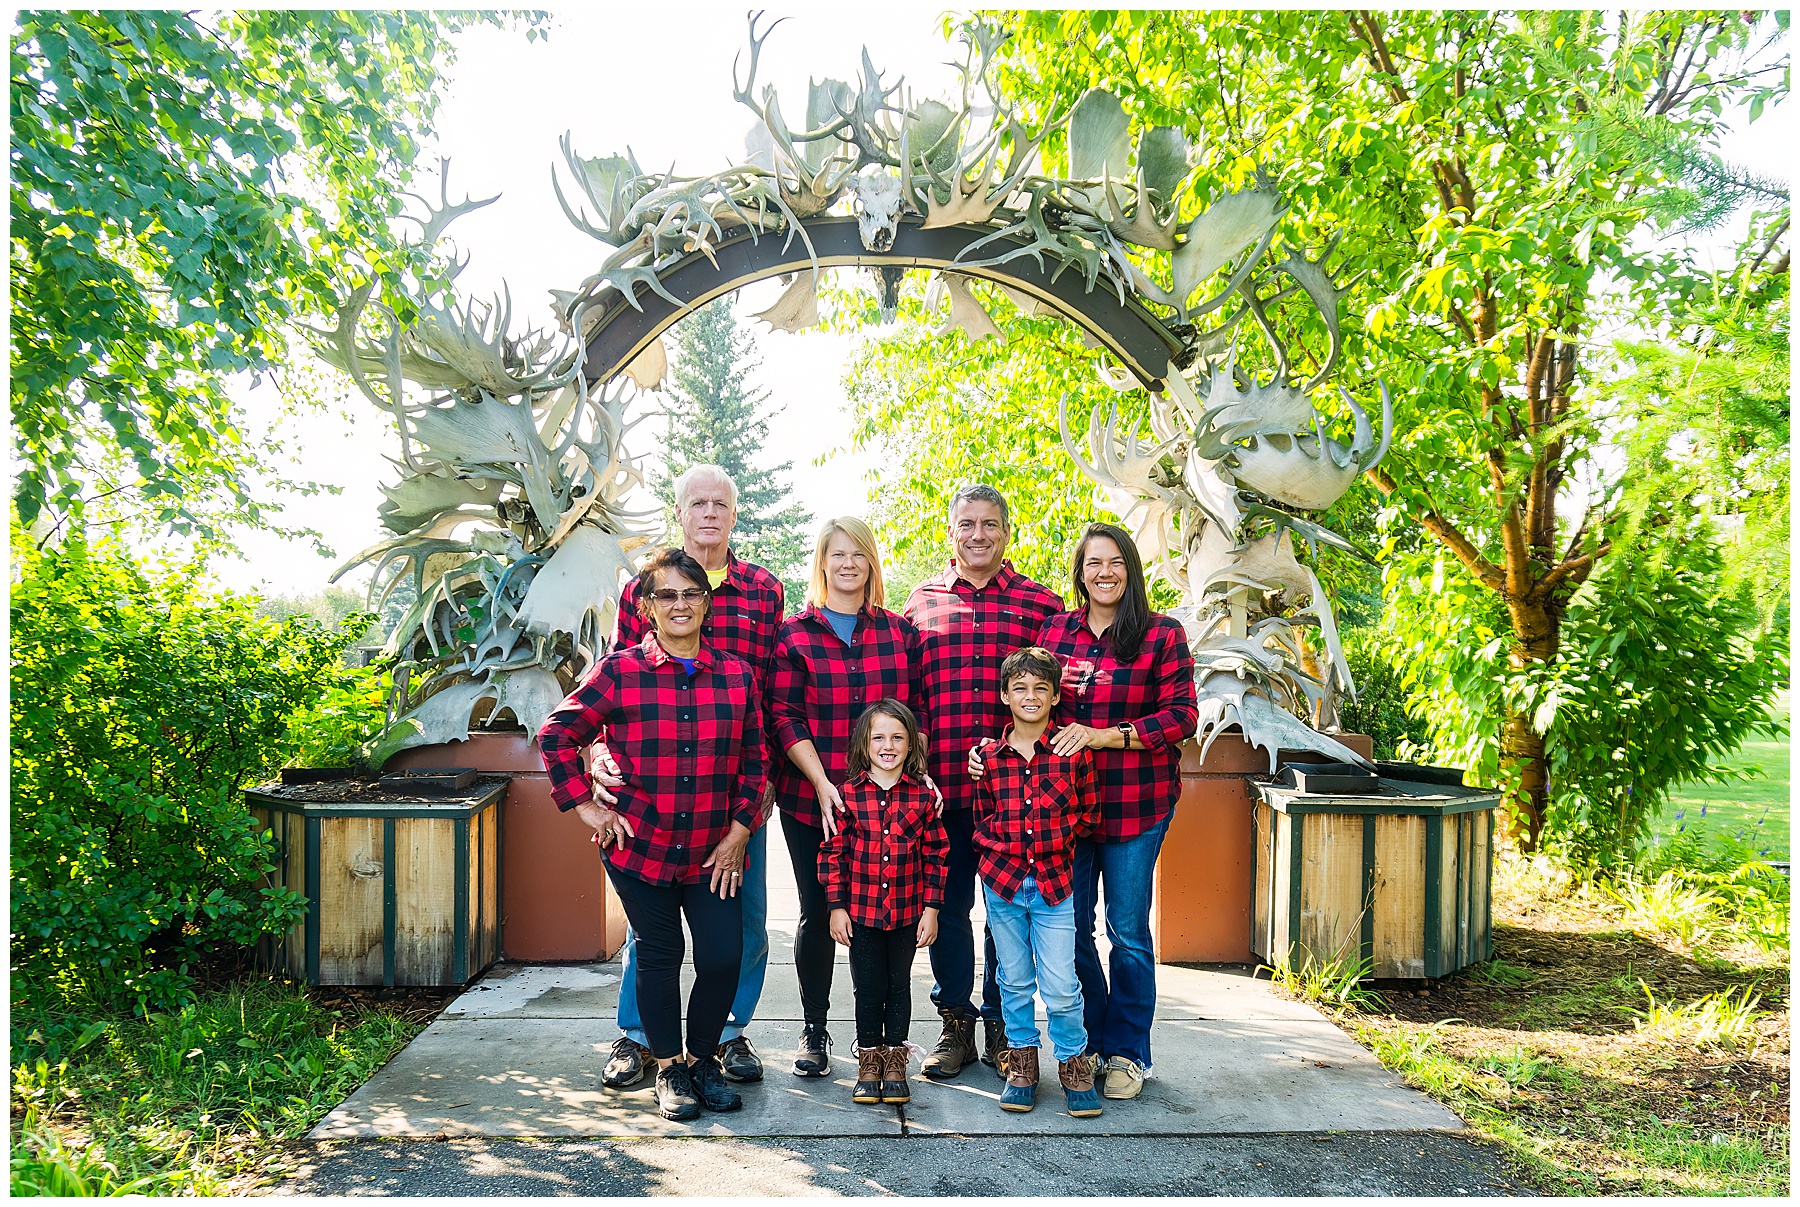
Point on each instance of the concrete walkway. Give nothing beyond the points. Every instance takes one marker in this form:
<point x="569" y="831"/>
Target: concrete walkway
<point x="519" y="1056"/>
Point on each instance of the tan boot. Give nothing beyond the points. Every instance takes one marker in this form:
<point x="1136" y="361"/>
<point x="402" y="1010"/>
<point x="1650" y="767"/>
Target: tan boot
<point x="1020" y="1065"/>
<point x="869" y="1062"/>
<point x="893" y="1074"/>
<point x="955" y="1048"/>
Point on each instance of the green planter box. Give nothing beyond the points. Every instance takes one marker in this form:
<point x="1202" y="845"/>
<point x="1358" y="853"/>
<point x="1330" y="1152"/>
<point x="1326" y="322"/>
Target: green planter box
<point x="401" y="889"/>
<point x="1401" y="878"/>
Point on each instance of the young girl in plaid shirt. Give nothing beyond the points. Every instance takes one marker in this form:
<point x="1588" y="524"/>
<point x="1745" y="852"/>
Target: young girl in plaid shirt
<point x="883" y="871"/>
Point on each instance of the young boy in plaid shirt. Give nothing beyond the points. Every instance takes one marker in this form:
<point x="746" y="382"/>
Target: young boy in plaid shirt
<point x="1031" y="805"/>
<point x="883" y="872"/>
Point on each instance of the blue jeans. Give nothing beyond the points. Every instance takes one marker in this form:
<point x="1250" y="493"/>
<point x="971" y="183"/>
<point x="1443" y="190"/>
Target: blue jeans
<point x="754" y="892"/>
<point x="953" y="955"/>
<point x="1119" y="1014"/>
<point x="1036" y="945"/>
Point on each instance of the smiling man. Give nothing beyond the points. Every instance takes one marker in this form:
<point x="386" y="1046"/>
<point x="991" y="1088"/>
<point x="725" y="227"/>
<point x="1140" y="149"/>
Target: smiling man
<point x="969" y="618"/>
<point x="742" y="621"/>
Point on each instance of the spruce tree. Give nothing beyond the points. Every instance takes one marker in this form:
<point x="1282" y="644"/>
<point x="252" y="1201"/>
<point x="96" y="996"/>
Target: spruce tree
<point x="713" y="415"/>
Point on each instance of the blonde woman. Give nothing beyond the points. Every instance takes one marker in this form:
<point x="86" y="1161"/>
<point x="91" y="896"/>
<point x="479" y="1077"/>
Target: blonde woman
<point x="841" y="654"/>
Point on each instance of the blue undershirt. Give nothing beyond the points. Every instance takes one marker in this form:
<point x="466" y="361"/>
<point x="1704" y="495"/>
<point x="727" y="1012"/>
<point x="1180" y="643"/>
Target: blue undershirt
<point x="687" y="662"/>
<point x="842" y="623"/>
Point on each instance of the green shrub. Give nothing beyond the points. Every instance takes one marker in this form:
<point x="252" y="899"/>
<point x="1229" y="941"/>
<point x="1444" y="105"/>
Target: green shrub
<point x="339" y="729"/>
<point x="143" y="701"/>
<point x="1379" y="709"/>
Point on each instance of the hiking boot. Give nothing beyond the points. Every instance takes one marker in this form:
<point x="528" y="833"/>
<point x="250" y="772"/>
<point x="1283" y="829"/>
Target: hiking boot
<point x="894" y="1060"/>
<point x="955" y="1048"/>
<point x="993" y="1041"/>
<point x="813" y="1057"/>
<point x="1020" y="1067"/>
<point x="1077" y="1077"/>
<point x="739" y="1061"/>
<point x="1124" y="1077"/>
<point x="676" y="1097"/>
<point x="629" y="1062"/>
<point x="714" y="1092"/>
<point x="869" y="1062"/>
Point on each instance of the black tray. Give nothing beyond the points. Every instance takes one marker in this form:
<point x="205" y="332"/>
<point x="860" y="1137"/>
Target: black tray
<point x="1328" y="779"/>
<point x="429" y="779"/>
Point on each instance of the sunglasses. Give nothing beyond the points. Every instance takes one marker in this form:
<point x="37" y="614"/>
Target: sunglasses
<point x="691" y="595"/>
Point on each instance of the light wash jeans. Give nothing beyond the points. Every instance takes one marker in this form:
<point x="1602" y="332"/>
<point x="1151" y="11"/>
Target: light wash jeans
<point x="1119" y="1013"/>
<point x="755" y="892"/>
<point x="1036" y="945"/>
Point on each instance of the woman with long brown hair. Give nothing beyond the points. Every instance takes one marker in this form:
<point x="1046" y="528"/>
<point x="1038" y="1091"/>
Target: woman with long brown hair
<point x="1127" y="695"/>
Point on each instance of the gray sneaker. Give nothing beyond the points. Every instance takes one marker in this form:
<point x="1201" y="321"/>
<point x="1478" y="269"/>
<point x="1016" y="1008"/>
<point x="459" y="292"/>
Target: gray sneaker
<point x="628" y="1065"/>
<point x="739" y="1061"/>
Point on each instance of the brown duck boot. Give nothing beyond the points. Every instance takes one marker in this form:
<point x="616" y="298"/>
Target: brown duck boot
<point x="1021" y="1068"/>
<point x="893" y="1074"/>
<point x="955" y="1048"/>
<point x="869" y="1064"/>
<point x="1077" y="1077"/>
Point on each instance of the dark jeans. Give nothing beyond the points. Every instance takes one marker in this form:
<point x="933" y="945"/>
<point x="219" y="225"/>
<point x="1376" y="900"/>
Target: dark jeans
<point x="814" y="951"/>
<point x="717" y="925"/>
<point x="953" y="955"/>
<point x="1119" y="1007"/>
<point x="881" y="969"/>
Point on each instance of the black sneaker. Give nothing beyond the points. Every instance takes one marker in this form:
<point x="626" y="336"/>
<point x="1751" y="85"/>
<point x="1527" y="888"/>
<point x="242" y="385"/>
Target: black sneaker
<point x="714" y="1091"/>
<point x="629" y="1063"/>
<point x="813" y="1057"/>
<point x="676" y="1097"/>
<point x="739" y="1061"/>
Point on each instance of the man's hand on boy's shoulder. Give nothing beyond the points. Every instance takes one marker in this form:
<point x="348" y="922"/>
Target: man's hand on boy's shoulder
<point x="978" y="757"/>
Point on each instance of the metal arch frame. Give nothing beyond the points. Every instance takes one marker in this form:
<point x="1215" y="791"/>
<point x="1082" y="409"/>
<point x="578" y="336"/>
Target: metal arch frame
<point x="621" y="331"/>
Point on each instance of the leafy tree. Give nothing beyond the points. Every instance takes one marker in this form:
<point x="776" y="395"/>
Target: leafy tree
<point x="1705" y="395"/>
<point x="184" y="188"/>
<point x="714" y="417"/>
<point x="1481" y="178"/>
<point x="142" y="703"/>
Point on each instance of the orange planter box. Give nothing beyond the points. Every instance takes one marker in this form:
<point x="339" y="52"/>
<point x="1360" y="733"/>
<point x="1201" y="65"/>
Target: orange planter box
<point x="555" y="901"/>
<point x="1201" y="910"/>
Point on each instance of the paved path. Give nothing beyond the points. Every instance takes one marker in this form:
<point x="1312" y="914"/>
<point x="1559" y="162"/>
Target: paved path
<point x="1252" y="1094"/>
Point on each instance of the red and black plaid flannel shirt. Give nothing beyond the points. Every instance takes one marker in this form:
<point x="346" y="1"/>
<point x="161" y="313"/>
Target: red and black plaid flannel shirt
<point x="743" y="620"/>
<point x="818" y="687"/>
<point x="1028" y="814"/>
<point x="890" y="856"/>
<point x="689" y="747"/>
<point x="1155" y="692"/>
<point x="965" y="633"/>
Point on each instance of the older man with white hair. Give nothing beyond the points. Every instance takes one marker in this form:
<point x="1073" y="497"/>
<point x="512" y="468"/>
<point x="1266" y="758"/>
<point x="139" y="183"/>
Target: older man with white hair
<point x="742" y="621"/>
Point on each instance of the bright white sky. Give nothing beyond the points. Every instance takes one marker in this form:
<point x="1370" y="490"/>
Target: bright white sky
<point x="659" y="81"/>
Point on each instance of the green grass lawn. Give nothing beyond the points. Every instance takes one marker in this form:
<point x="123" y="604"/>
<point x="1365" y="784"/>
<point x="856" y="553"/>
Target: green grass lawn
<point x="1755" y="811"/>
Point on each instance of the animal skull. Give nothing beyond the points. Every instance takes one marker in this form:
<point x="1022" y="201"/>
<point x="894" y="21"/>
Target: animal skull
<point x="877" y="194"/>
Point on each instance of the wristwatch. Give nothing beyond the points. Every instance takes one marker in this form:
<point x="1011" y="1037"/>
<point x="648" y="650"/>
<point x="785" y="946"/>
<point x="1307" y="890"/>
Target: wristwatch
<point x="1125" y="727"/>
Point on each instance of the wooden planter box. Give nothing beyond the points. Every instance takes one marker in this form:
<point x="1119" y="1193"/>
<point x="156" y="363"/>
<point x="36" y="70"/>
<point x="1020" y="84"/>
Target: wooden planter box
<point x="401" y="888"/>
<point x="1401" y="878"/>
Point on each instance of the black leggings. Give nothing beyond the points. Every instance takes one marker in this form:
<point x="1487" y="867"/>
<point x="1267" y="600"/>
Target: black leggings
<point x="814" y="952"/>
<point x="881" y="969"/>
<point x="718" y="927"/>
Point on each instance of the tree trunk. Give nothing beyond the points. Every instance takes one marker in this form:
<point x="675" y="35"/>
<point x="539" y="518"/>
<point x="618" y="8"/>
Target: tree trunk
<point x="1537" y="632"/>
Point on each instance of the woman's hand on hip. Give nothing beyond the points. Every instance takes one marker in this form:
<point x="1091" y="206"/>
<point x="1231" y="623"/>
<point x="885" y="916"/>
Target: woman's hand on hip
<point x="603" y="774"/>
<point x="611" y="828"/>
<point x="727" y="860"/>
